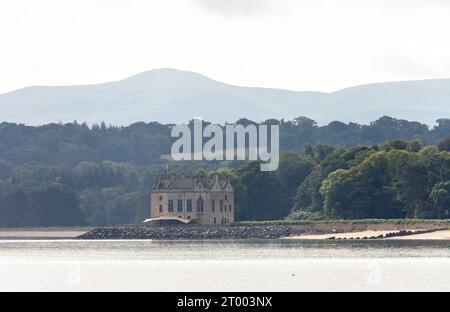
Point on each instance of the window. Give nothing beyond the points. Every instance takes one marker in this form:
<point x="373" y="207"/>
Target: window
<point x="170" y="205"/>
<point x="221" y="205"/>
<point x="229" y="206"/>
<point x="213" y="205"/>
<point x="200" y="205"/>
<point x="226" y="197"/>
<point x="160" y="198"/>
<point x="225" y="207"/>
<point x="189" y="205"/>
<point x="160" y="208"/>
<point x="180" y="205"/>
<point x="215" y="220"/>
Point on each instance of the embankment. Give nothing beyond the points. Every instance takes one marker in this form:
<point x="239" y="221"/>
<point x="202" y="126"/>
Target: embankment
<point x="189" y="232"/>
<point x="260" y="231"/>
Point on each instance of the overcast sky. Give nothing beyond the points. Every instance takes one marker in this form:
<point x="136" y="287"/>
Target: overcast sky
<point x="321" y="45"/>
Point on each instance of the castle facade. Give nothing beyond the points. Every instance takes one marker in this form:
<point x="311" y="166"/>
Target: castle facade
<point x="207" y="201"/>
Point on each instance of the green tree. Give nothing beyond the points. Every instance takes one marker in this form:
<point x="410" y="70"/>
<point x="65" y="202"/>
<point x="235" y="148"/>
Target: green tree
<point x="5" y="169"/>
<point x="57" y="205"/>
<point x="444" y="145"/>
<point x="362" y="191"/>
<point x="440" y="195"/>
<point x="263" y="194"/>
<point x="292" y="171"/>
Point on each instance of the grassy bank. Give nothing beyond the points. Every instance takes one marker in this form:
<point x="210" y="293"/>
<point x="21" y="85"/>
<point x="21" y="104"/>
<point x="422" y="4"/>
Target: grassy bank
<point x="434" y="222"/>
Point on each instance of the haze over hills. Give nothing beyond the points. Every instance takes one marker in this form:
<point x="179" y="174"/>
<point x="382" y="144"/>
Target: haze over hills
<point x="173" y="96"/>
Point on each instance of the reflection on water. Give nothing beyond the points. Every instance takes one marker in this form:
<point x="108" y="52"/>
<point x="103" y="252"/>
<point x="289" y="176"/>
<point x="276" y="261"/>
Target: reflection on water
<point x="216" y="250"/>
<point x="278" y="265"/>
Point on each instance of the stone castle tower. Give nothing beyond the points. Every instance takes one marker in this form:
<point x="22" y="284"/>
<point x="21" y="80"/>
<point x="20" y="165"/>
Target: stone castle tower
<point x="208" y="201"/>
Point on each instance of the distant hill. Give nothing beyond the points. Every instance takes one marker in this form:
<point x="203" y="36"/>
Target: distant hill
<point x="173" y="96"/>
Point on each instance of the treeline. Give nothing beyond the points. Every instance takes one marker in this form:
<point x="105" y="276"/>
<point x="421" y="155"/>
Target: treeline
<point x="104" y="193"/>
<point x="396" y="179"/>
<point x="144" y="143"/>
<point x="46" y="181"/>
<point x="97" y="194"/>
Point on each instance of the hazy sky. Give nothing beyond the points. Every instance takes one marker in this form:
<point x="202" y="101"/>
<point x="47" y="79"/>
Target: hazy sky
<point x="295" y="44"/>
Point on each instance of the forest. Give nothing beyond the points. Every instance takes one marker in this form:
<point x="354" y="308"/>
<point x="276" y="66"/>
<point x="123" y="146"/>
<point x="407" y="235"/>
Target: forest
<point x="75" y="174"/>
<point x="144" y="143"/>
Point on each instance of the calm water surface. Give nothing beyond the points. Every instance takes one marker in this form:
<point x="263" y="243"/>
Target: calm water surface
<point x="279" y="265"/>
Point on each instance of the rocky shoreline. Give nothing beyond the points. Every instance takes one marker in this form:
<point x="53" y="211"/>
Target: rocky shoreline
<point x="190" y="232"/>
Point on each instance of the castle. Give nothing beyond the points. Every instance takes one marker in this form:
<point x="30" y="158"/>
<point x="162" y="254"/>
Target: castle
<point x="181" y="199"/>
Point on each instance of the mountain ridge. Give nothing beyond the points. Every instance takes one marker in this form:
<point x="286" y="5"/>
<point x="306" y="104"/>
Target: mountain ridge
<point x="175" y="96"/>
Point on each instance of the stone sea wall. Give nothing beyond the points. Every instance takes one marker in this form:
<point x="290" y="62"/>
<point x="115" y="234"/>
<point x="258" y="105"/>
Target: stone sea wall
<point x="194" y="232"/>
<point x="189" y="232"/>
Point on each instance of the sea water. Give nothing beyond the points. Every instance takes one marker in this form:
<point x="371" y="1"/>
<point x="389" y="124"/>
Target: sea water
<point x="247" y="265"/>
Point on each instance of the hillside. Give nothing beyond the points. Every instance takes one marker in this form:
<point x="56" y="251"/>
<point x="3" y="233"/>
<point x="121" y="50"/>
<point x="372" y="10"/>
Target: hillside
<point x="173" y="96"/>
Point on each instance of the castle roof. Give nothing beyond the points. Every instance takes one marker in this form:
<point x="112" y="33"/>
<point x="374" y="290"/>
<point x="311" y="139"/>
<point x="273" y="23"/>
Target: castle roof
<point x="183" y="183"/>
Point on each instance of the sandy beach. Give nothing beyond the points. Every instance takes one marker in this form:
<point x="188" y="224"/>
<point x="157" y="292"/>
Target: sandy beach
<point x="444" y="234"/>
<point x="42" y="233"/>
<point x="436" y="235"/>
<point x="347" y="235"/>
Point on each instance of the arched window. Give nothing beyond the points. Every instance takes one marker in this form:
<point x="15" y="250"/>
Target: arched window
<point x="200" y="204"/>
